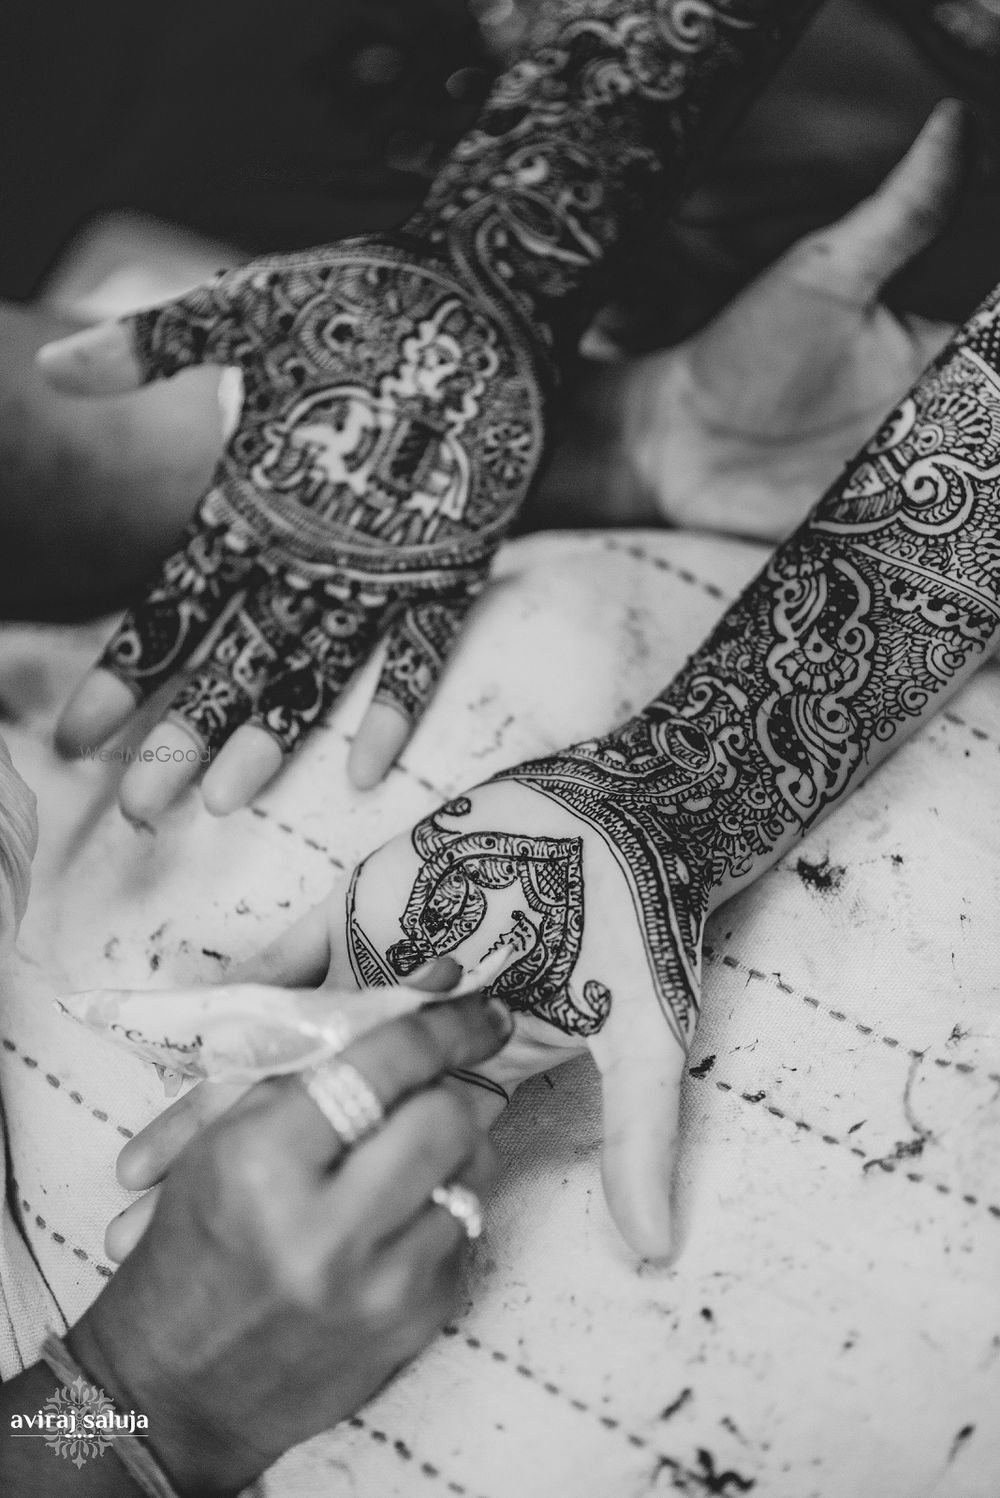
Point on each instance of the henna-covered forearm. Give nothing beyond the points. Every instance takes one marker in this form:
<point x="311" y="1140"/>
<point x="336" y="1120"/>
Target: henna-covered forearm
<point x="856" y="630"/>
<point x="599" y="119"/>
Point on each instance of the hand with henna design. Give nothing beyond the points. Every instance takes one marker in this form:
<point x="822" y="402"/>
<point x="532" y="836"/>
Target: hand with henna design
<point x="389" y="429"/>
<point x="597" y="867"/>
<point x="394" y="397"/>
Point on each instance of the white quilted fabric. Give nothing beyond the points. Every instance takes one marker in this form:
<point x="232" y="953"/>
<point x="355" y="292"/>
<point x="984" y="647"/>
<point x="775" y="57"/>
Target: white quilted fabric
<point x="832" y="1327"/>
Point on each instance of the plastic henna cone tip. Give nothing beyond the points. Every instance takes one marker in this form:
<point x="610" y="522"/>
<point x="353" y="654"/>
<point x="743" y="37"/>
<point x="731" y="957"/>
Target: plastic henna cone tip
<point x="237" y="1032"/>
<point x="486" y="971"/>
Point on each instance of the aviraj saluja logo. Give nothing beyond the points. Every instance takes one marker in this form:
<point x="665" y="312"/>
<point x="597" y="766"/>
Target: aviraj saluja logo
<point x="79" y="1422"/>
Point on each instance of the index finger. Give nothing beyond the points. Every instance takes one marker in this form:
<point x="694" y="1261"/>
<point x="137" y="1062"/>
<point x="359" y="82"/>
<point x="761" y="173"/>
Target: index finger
<point x="396" y="1060"/>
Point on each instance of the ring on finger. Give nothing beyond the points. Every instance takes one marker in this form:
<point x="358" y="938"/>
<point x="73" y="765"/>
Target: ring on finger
<point x="346" y="1100"/>
<point x="463" y="1204"/>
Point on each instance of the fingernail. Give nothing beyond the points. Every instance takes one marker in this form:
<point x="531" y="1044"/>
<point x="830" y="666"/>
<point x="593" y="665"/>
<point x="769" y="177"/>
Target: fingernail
<point x="436" y="976"/>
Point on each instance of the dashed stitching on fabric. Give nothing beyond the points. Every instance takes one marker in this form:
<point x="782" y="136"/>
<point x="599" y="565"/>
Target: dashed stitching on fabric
<point x="662" y="565"/>
<point x="104" y="1270"/>
<point x="888" y="1165"/>
<point x="582" y="1406"/>
<point x="402" y="768"/>
<point x="56" y="1082"/>
<point x="964" y="1068"/>
<point x="287" y="828"/>
<point x="977" y="733"/>
<point x="426" y="1469"/>
<point x="398" y="767"/>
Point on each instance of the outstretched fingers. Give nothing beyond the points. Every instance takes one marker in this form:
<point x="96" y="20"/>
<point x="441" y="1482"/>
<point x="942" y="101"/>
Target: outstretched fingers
<point x="158" y="636"/>
<point x="112" y="358"/>
<point x="418" y="646"/>
<point x="298" y="693"/>
<point x="218" y="697"/>
<point x="282" y="659"/>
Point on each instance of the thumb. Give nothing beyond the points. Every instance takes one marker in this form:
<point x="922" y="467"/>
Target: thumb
<point x="641" y="1061"/>
<point x="854" y="258"/>
<point x="115" y="357"/>
<point x="804" y="307"/>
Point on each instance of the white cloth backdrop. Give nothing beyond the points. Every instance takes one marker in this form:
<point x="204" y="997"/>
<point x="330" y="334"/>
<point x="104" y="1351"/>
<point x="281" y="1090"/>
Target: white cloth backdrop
<point x="832" y="1326"/>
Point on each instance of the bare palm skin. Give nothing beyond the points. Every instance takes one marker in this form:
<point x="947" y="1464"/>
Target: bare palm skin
<point x="739" y="428"/>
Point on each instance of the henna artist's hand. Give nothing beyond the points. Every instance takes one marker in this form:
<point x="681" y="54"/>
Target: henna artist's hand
<point x="739" y="428"/>
<point x="389" y="428"/>
<point x="283" y="1280"/>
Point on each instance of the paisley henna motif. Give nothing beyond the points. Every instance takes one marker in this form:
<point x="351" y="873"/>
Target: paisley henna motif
<point x="856" y="626"/>
<point x="449" y="902"/>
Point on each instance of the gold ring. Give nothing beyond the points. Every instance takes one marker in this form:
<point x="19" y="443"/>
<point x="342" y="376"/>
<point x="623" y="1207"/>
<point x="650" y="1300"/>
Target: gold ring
<point x="463" y="1204"/>
<point x="345" y="1100"/>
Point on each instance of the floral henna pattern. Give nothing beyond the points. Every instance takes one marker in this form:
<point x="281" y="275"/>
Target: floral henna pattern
<point x="388" y="434"/>
<point x="394" y="388"/>
<point x="855" y="628"/>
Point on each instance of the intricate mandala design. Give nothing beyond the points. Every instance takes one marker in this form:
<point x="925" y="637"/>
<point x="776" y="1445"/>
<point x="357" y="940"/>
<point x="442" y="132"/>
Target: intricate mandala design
<point x="390" y="428"/>
<point x="372" y="385"/>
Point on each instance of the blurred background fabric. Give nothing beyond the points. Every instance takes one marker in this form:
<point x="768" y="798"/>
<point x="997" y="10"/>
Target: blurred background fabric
<point x="274" y="126"/>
